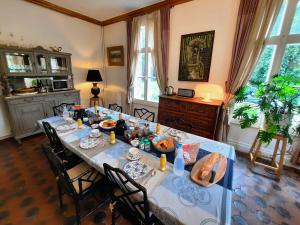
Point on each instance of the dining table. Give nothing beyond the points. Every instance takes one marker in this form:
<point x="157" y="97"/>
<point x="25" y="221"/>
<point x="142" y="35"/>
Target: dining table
<point x="173" y="199"/>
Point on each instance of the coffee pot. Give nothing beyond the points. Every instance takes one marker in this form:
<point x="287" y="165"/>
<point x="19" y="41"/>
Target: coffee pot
<point x="169" y="90"/>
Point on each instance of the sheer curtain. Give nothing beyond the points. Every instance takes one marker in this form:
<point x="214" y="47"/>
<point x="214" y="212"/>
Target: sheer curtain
<point x="132" y="51"/>
<point x="255" y="18"/>
<point x="158" y="24"/>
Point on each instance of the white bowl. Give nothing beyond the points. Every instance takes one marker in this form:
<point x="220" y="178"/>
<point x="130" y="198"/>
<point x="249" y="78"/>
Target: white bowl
<point x="135" y="143"/>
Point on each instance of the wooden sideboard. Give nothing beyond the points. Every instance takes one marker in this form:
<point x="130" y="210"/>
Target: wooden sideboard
<point x="202" y="116"/>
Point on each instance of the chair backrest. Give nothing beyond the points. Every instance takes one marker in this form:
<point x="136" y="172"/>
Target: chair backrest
<point x="54" y="140"/>
<point x="130" y="196"/>
<point x="59" y="169"/>
<point x="115" y="107"/>
<point x="58" y="110"/>
<point x="179" y="124"/>
<point x="144" y="114"/>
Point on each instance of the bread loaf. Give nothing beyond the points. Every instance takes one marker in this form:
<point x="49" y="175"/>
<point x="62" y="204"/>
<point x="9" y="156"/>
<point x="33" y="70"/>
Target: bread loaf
<point x="208" y="165"/>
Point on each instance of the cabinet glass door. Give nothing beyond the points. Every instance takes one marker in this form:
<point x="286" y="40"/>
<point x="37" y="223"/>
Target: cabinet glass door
<point x="42" y="64"/>
<point x="59" y="65"/>
<point x="19" y="63"/>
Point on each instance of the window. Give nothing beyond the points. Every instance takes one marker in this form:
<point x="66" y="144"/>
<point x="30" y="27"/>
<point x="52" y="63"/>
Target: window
<point x="145" y="84"/>
<point x="281" y="53"/>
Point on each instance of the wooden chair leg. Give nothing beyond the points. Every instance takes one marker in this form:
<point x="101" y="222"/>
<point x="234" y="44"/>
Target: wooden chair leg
<point x="60" y="195"/>
<point x="283" y="149"/>
<point x="113" y="217"/>
<point x="77" y="212"/>
<point x="275" y="152"/>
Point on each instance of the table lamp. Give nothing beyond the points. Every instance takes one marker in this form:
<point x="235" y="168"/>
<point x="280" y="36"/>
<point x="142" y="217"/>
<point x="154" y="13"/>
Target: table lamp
<point x="95" y="77"/>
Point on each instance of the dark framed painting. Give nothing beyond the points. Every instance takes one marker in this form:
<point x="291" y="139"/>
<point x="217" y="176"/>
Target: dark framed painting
<point x="195" y="56"/>
<point x="115" y="56"/>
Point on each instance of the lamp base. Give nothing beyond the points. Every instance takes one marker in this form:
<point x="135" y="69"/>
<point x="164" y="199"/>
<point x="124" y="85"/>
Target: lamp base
<point x="95" y="90"/>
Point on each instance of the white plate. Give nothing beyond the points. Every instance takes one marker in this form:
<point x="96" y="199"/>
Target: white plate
<point x="66" y="127"/>
<point x="95" y="136"/>
<point x="24" y="94"/>
<point x="105" y="128"/>
<point x="136" y="169"/>
<point x="88" y="143"/>
<point x="173" y="132"/>
<point x="95" y="125"/>
<point x="133" y="158"/>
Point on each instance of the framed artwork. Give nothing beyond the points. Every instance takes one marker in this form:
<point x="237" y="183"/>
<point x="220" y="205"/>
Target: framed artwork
<point x="115" y="56"/>
<point x="195" y="56"/>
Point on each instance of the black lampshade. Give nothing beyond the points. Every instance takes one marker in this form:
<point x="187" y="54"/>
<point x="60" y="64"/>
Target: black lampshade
<point x="94" y="76"/>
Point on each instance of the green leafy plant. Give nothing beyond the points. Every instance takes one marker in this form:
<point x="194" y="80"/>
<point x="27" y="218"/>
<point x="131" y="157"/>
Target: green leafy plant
<point x="278" y="100"/>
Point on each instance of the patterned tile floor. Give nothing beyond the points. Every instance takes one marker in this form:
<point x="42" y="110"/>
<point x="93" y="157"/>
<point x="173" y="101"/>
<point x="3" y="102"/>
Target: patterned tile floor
<point x="28" y="192"/>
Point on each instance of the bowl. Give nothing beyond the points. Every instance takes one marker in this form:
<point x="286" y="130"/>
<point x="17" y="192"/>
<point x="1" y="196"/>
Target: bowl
<point x="135" y="143"/>
<point x="156" y="140"/>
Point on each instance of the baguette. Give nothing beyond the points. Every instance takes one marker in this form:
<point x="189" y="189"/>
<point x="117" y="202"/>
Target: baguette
<point x="207" y="166"/>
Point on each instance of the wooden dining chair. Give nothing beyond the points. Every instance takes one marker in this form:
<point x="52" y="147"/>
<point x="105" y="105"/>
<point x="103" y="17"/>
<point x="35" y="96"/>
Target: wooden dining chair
<point x="55" y="143"/>
<point x="179" y="123"/>
<point x="128" y="197"/>
<point x="58" y="110"/>
<point x="144" y="114"/>
<point x="115" y="107"/>
<point x="79" y="183"/>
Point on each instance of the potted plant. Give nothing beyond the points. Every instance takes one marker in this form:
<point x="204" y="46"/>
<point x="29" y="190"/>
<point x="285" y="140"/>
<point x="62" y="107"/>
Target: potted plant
<point x="277" y="100"/>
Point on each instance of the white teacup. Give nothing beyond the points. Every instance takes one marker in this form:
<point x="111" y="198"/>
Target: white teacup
<point x="133" y="152"/>
<point x="135" y="143"/>
<point x="69" y="120"/>
<point x="95" y="132"/>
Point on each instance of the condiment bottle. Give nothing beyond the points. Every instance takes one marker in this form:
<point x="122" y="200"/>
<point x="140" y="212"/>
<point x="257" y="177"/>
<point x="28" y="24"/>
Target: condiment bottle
<point x="163" y="162"/>
<point x="120" y="116"/>
<point x="142" y="144"/>
<point x="79" y="122"/>
<point x="147" y="145"/>
<point x="157" y="128"/>
<point x="112" y="137"/>
<point x="95" y="109"/>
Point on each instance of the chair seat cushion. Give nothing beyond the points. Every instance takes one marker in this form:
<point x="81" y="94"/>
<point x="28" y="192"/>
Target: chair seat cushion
<point x="77" y="171"/>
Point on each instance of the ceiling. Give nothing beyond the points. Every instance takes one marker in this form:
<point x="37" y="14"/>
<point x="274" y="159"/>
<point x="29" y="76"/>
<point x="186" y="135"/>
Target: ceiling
<point x="103" y="9"/>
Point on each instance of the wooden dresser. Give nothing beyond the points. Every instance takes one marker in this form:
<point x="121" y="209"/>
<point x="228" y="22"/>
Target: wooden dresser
<point x="202" y="116"/>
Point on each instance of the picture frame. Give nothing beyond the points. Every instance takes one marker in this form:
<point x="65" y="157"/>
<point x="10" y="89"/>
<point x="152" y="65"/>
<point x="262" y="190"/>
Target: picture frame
<point x="195" y="56"/>
<point x="115" y="56"/>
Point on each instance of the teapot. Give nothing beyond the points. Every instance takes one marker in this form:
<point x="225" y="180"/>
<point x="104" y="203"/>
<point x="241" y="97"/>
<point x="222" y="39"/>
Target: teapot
<point x="169" y="90"/>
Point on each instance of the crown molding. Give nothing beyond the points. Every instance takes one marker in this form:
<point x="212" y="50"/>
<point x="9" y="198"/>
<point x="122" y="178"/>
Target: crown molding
<point x="65" y="11"/>
<point x="143" y="11"/>
<point x="123" y="17"/>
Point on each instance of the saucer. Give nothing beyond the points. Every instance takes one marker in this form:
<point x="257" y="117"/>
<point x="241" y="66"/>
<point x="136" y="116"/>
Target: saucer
<point x="133" y="157"/>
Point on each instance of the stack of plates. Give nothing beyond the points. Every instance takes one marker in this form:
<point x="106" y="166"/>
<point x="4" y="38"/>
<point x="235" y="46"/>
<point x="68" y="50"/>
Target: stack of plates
<point x="66" y="127"/>
<point x="87" y="143"/>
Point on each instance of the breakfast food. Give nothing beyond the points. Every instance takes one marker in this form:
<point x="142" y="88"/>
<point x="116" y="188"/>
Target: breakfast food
<point x="165" y="144"/>
<point x="208" y="165"/>
<point x="190" y="152"/>
<point x="108" y="123"/>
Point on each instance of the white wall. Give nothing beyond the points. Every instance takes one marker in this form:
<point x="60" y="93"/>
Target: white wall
<point x="115" y="35"/>
<point x="28" y="25"/>
<point x="191" y="17"/>
<point x="198" y="16"/>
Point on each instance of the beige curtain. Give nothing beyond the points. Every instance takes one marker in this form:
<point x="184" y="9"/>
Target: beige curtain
<point x="160" y="25"/>
<point x="264" y="17"/>
<point x="133" y="41"/>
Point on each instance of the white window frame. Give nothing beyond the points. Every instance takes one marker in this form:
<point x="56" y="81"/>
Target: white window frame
<point x="284" y="38"/>
<point x="280" y="42"/>
<point x="146" y="50"/>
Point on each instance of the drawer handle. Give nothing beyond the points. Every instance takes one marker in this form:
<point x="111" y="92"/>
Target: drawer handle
<point x="67" y="94"/>
<point x="28" y="99"/>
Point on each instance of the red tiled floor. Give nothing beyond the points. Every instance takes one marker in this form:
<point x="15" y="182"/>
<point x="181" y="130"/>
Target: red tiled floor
<point x="28" y="192"/>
